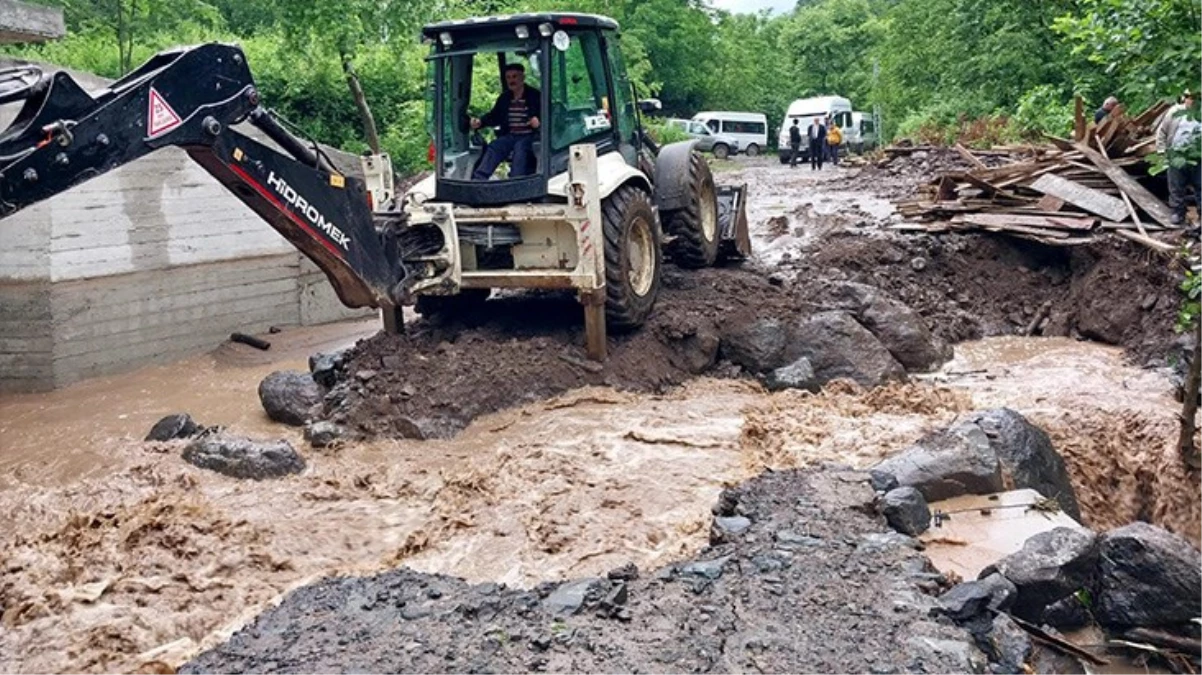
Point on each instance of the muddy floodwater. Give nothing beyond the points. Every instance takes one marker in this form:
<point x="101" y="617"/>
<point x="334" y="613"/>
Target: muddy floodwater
<point x="117" y="553"/>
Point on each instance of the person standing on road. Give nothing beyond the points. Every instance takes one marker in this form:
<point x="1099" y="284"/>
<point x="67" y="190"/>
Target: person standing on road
<point x="1178" y="135"/>
<point x="834" y="137"/>
<point x="794" y="142"/>
<point x="516" y="115"/>
<point x="817" y="136"/>
<point x="1102" y="112"/>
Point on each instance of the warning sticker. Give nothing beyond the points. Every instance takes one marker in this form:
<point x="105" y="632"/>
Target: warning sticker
<point x="161" y="117"/>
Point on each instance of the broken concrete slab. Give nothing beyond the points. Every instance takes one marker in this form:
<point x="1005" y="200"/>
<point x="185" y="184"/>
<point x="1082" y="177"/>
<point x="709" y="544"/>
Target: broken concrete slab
<point x="982" y="529"/>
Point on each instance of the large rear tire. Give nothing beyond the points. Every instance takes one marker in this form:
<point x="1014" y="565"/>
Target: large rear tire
<point x="441" y="307"/>
<point x="695" y="227"/>
<point x="632" y="257"/>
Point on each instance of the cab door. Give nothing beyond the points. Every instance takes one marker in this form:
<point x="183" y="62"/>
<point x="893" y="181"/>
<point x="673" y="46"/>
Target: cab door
<point x="622" y="108"/>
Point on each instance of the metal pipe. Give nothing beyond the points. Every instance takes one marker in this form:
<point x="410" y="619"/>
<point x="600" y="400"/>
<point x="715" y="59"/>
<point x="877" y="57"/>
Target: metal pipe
<point x="288" y="141"/>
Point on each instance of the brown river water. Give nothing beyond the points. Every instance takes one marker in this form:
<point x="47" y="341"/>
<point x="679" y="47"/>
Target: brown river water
<point x="116" y="553"/>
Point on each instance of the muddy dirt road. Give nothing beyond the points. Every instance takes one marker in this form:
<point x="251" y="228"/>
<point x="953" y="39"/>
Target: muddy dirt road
<point x="117" y="553"/>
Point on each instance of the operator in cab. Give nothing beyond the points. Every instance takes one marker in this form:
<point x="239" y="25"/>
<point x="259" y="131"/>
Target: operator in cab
<point x="515" y="114"/>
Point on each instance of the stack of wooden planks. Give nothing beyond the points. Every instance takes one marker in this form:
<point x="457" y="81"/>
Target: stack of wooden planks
<point x="1059" y="193"/>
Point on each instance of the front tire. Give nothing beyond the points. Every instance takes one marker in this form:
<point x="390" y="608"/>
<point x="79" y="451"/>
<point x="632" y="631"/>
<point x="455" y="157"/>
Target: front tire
<point x="721" y="151"/>
<point x="632" y="257"/>
<point x="753" y="150"/>
<point x="695" y="227"/>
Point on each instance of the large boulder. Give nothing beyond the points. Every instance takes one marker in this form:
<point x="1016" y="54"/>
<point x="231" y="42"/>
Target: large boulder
<point x="947" y="464"/>
<point x="1027" y="457"/>
<point x="1148" y="577"/>
<point x="290" y="397"/>
<point x="987" y="452"/>
<point x="756" y="346"/>
<point x="837" y="346"/>
<point x="1050" y="566"/>
<point x="902" y="330"/>
<point x="240" y="457"/>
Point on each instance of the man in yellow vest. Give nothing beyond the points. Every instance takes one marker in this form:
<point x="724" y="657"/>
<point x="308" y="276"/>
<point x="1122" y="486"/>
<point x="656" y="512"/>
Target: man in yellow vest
<point x="834" y="136"/>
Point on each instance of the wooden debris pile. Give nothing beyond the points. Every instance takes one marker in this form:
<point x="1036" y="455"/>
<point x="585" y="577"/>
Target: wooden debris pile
<point x="1061" y="193"/>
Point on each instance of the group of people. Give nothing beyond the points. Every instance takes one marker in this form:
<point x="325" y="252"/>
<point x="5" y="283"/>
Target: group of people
<point x="824" y="139"/>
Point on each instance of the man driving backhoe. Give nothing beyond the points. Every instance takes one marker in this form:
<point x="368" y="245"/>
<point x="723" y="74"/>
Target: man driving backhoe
<point x="515" y="114"/>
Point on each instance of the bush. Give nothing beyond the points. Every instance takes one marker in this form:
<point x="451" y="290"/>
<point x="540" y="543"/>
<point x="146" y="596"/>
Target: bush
<point x="663" y="133"/>
<point x="1044" y="109"/>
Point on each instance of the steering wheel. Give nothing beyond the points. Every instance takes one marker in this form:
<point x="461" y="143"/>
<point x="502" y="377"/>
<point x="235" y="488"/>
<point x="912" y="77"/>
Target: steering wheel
<point x="17" y="82"/>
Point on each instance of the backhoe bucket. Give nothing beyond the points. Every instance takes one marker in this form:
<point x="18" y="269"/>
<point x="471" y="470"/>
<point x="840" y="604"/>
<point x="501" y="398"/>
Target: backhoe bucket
<point x="732" y="222"/>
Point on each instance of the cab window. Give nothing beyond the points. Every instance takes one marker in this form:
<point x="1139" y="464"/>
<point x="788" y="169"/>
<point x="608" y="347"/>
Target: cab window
<point x="579" y="100"/>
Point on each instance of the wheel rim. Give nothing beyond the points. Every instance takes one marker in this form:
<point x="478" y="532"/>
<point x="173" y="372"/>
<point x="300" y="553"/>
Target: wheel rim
<point x="708" y="211"/>
<point x="640" y="256"/>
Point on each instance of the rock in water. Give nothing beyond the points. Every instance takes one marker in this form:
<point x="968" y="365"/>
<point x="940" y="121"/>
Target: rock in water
<point x="797" y="375"/>
<point x="290" y="397"/>
<point x="991" y="451"/>
<point x="906" y="511"/>
<point x="903" y="330"/>
<point x="947" y="464"/>
<point x="1149" y="577"/>
<point x="323" y="434"/>
<point x="328" y="368"/>
<point x="756" y="346"/>
<point x="837" y="346"/>
<point x="172" y="427"/>
<point x="1049" y="567"/>
<point x="1027" y="457"/>
<point x="240" y="457"/>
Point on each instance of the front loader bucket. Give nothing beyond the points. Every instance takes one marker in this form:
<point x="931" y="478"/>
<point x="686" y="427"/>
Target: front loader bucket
<point x="732" y="222"/>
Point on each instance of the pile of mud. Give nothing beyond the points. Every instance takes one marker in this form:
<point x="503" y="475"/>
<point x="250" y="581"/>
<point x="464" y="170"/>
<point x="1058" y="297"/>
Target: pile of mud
<point x="525" y="347"/>
<point x="800" y="569"/>
<point x="976" y="285"/>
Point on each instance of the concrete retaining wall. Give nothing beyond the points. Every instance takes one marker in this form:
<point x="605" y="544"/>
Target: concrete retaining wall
<point x="148" y="263"/>
<point x="25" y="22"/>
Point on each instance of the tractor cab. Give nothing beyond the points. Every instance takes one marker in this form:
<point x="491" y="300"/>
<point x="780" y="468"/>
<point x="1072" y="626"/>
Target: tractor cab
<point x="510" y="95"/>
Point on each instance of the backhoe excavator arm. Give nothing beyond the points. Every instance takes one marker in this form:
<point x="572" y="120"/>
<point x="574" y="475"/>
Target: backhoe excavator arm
<point x="191" y="98"/>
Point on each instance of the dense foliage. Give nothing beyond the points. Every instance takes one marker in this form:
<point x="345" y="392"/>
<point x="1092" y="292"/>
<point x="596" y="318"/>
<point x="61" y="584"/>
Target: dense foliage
<point x="985" y="70"/>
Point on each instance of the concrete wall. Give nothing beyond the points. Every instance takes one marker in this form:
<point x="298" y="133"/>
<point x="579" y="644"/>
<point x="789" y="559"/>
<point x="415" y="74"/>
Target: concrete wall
<point x="147" y="263"/>
<point x="22" y="22"/>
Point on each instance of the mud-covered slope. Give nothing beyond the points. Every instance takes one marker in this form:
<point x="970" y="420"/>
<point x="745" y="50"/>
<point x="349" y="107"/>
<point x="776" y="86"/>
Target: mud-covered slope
<point x="816" y="582"/>
<point x="525" y="347"/>
<point x="978" y="285"/>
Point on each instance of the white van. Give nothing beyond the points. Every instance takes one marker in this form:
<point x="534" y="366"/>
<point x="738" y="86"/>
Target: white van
<point x="749" y="129"/>
<point x="806" y="109"/>
<point x="863" y="133"/>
